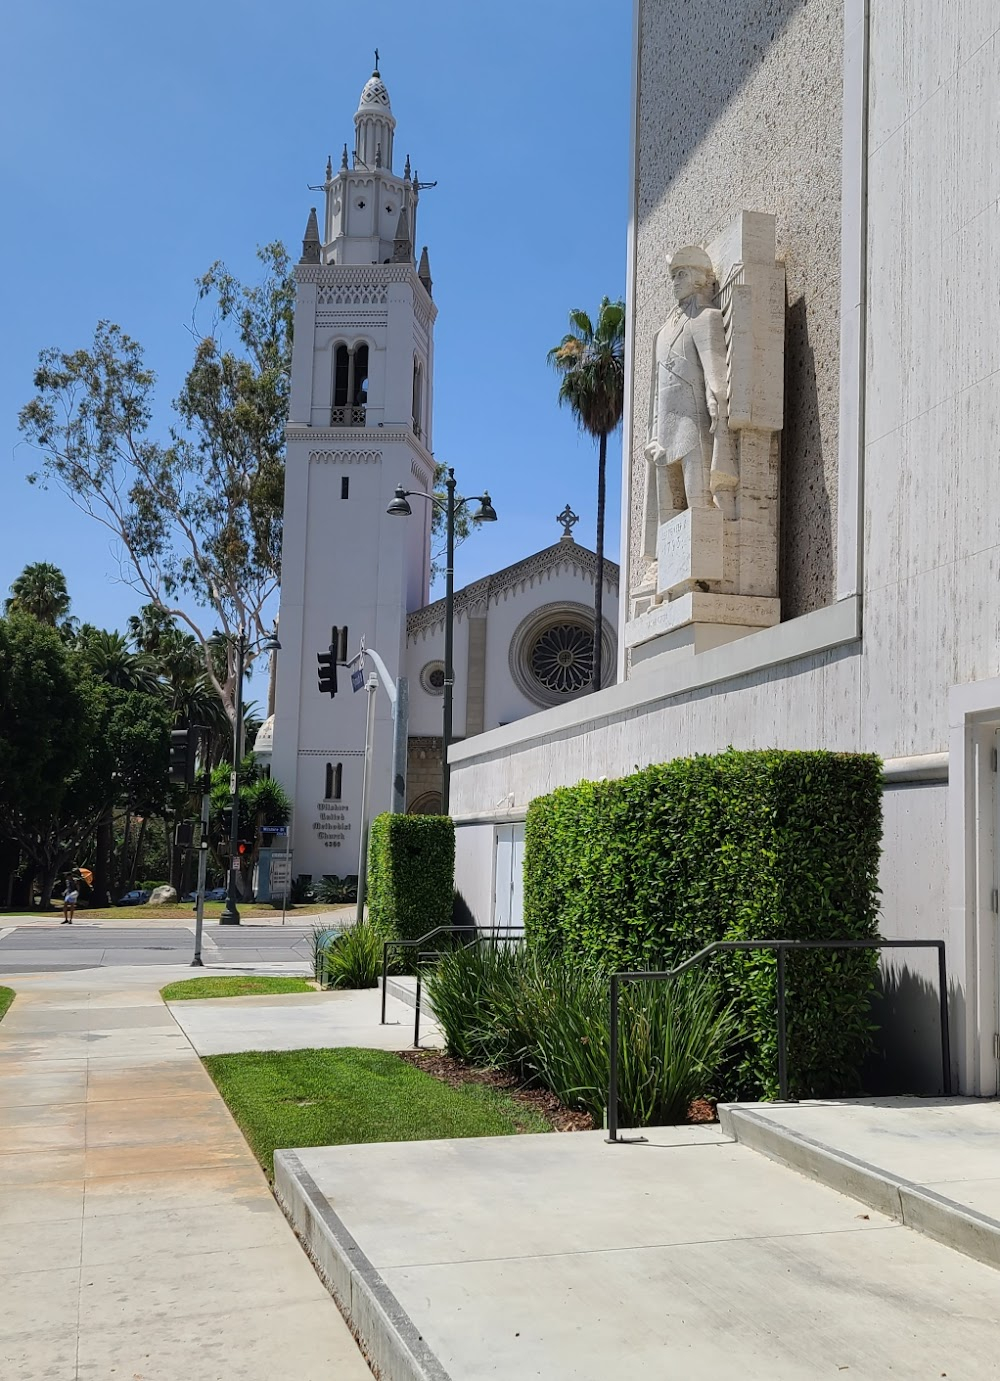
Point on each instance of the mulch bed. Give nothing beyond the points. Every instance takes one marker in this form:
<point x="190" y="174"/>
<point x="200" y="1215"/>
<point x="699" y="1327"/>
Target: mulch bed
<point x="540" y="1100"/>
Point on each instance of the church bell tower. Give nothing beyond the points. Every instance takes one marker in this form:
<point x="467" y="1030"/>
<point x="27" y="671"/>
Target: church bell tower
<point x="359" y="424"/>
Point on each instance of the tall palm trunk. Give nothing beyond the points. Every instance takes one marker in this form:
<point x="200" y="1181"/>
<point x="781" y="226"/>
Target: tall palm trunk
<point x="602" y="457"/>
<point x="102" y="864"/>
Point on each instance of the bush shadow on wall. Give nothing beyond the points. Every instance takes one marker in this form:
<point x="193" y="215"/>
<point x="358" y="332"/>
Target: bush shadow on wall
<point x="906" y="1058"/>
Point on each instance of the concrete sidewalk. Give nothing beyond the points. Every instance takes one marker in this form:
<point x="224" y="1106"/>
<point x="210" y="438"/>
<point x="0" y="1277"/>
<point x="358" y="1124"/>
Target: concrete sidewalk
<point x="564" y="1258"/>
<point x="300" y="1021"/>
<point x="140" y="1237"/>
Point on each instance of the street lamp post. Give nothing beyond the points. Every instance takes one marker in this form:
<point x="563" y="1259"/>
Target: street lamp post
<point x="450" y="506"/>
<point x="230" y="914"/>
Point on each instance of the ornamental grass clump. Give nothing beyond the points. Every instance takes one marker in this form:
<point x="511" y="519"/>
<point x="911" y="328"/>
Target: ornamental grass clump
<point x="354" y="959"/>
<point x="547" y="1020"/>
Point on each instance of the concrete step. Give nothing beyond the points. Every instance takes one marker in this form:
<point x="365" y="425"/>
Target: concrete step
<point x="929" y="1163"/>
<point x="566" y="1258"/>
<point x="404" y="989"/>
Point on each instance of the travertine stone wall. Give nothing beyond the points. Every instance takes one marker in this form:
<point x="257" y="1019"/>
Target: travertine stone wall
<point x="739" y="108"/>
<point x="423" y="768"/>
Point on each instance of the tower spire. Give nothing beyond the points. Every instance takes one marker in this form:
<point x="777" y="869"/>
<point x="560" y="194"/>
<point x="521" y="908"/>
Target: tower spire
<point x="310" y="240"/>
<point x="374" y="124"/>
<point x="402" y="245"/>
<point x="424" y="271"/>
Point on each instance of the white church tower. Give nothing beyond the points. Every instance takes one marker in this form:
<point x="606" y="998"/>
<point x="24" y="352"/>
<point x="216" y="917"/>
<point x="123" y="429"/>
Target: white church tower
<point x="359" y="424"/>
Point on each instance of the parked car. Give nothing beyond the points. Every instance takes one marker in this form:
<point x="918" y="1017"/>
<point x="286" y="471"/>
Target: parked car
<point x="211" y="894"/>
<point x="135" y="898"/>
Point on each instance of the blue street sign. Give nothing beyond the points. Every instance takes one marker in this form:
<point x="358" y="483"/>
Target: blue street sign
<point x="358" y="679"/>
<point x="274" y="829"/>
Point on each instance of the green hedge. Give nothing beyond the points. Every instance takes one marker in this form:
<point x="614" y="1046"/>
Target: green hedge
<point x="641" y="872"/>
<point x="411" y="874"/>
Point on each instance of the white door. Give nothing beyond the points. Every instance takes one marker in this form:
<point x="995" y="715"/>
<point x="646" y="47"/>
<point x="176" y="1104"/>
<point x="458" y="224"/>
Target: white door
<point x="517" y="880"/>
<point x="508" y="879"/>
<point x="502" y="874"/>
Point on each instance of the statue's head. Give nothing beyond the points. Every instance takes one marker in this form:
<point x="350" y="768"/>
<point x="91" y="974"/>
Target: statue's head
<point x="691" y="273"/>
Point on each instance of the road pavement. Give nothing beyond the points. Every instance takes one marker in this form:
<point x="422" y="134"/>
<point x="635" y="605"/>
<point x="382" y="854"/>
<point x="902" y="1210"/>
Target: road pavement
<point x="46" y="946"/>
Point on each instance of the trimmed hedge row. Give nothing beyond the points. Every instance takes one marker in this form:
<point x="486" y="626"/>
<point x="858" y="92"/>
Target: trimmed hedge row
<point x="411" y="874"/>
<point x="643" y="871"/>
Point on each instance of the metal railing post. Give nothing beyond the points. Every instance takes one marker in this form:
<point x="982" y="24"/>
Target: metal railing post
<point x="385" y="975"/>
<point x="945" y="1031"/>
<point x="613" y="1074"/>
<point x="416" y="1016"/>
<point x="782" y="1034"/>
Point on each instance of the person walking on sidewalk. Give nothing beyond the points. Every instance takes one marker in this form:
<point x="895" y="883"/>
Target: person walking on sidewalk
<point x="70" y="897"/>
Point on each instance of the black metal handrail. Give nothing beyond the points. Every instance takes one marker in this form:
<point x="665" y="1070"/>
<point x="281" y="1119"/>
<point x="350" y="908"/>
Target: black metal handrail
<point x="414" y="944"/>
<point x="781" y="947"/>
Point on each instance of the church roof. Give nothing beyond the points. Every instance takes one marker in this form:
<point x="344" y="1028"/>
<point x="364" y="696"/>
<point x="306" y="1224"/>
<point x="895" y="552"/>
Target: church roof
<point x="374" y="95"/>
<point x="562" y="554"/>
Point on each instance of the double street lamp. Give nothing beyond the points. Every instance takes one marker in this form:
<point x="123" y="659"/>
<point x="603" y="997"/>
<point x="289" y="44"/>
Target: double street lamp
<point x="450" y="507"/>
<point x="230" y="914"/>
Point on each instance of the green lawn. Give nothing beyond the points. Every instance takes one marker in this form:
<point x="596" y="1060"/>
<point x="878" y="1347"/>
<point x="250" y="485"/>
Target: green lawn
<point x="6" y="998"/>
<point x="233" y="987"/>
<point x="289" y="1098"/>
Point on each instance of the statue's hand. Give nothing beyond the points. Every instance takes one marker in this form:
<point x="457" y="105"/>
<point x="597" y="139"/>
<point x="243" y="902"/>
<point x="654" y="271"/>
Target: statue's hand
<point x="713" y="412"/>
<point x="653" y="451"/>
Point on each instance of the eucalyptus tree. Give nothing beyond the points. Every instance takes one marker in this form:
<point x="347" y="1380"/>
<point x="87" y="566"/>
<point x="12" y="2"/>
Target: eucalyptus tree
<point x="590" y="360"/>
<point x="196" y="513"/>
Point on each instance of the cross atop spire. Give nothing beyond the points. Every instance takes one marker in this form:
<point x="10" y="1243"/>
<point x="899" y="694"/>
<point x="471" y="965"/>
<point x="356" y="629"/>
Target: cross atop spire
<point x="376" y="72"/>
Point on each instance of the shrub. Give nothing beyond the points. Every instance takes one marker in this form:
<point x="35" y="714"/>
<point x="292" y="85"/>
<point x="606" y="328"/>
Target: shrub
<point x="548" y="1020"/>
<point x="740" y="846"/>
<point x="354" y="958"/>
<point x="411" y="874"/>
<point x="335" y="891"/>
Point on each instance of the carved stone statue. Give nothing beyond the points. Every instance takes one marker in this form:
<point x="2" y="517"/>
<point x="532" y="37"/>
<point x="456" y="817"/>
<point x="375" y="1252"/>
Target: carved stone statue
<point x="706" y="567"/>
<point x="689" y="446"/>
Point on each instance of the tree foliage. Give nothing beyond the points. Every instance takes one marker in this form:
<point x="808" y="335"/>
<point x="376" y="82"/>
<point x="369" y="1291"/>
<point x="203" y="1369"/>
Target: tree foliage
<point x="40" y="590"/>
<point x="196" y="515"/>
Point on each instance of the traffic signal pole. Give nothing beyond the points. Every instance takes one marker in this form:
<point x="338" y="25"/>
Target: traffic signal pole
<point x="366" y="790"/>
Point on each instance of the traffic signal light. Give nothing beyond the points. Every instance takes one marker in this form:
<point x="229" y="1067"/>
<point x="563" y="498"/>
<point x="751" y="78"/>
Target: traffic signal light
<point x="183" y="752"/>
<point x="242" y="849"/>
<point x="327" y="663"/>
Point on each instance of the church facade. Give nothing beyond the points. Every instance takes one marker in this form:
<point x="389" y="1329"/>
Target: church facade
<point x="810" y="547"/>
<point x="361" y="426"/>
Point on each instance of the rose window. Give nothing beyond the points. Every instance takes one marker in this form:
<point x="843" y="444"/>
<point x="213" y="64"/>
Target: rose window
<point x="562" y="658"/>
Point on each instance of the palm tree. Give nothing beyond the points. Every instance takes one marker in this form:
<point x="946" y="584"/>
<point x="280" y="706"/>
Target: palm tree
<point x="110" y="658"/>
<point x="591" y="360"/>
<point x="40" y="590"/>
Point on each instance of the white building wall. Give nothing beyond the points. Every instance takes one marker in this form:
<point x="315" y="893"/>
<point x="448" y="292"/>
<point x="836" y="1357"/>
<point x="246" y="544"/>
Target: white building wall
<point x="505" y="702"/>
<point x="930" y="489"/>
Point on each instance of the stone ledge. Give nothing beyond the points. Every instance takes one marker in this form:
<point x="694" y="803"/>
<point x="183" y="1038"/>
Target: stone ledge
<point x="385" y="1332"/>
<point x="742" y="611"/>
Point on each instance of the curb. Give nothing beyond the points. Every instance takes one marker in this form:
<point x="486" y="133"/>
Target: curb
<point x="388" y="1337"/>
<point x="924" y="1210"/>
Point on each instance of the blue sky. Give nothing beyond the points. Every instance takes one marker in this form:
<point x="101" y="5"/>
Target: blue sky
<point x="144" y="142"/>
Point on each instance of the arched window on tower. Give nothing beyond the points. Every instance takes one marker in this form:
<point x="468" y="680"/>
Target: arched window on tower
<point x="334" y="780"/>
<point x="350" y="386"/>
<point x="340" y="368"/>
<point x="360" y="398"/>
<point x="418" y="391"/>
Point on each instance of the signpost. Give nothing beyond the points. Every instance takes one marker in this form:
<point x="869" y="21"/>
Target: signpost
<point x="280" y="874"/>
